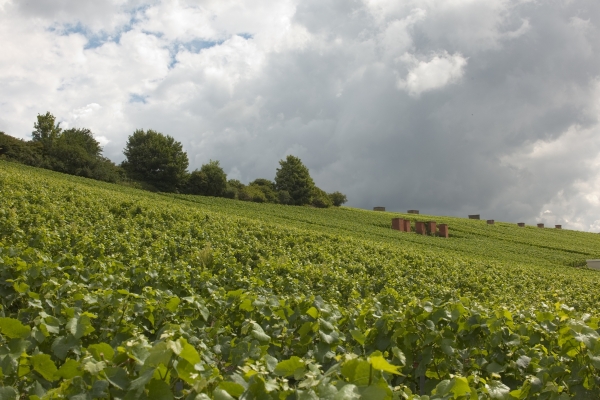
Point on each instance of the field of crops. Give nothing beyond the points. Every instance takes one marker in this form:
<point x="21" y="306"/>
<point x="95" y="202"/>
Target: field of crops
<point x="110" y="292"/>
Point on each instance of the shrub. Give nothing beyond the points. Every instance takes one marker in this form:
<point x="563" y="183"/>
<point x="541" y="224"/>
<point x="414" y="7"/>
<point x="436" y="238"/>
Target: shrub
<point x="337" y="198"/>
<point x="320" y="199"/>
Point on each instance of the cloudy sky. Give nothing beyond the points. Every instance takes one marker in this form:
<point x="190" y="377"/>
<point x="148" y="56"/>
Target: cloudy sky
<point x="451" y="107"/>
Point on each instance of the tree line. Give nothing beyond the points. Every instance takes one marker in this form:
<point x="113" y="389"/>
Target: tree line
<point x="157" y="162"/>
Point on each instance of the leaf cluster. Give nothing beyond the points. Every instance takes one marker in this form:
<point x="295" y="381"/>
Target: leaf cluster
<point x="107" y="292"/>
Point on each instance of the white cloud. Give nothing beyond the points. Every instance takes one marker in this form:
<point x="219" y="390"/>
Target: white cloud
<point x="450" y="106"/>
<point x="441" y="70"/>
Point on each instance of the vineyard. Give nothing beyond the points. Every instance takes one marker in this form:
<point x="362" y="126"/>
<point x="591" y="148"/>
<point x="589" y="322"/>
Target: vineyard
<point x="113" y="293"/>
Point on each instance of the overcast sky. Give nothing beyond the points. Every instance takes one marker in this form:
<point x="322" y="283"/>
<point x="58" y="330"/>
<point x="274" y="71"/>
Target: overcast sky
<point x="452" y="107"/>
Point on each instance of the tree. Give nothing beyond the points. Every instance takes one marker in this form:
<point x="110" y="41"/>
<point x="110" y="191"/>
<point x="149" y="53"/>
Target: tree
<point x="267" y="187"/>
<point x="210" y="180"/>
<point x="83" y="138"/>
<point x="75" y="152"/>
<point x="320" y="199"/>
<point x="253" y="193"/>
<point x="338" y="198"/>
<point x="46" y="129"/>
<point x="284" y="197"/>
<point x="233" y="189"/>
<point x="156" y="159"/>
<point x="294" y="178"/>
<point x="30" y="153"/>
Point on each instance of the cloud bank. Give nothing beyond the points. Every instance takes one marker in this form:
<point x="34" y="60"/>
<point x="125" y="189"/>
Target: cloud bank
<point x="451" y="107"/>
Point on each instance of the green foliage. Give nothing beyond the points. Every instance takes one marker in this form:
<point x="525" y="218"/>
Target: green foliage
<point x="46" y="130"/>
<point x="210" y="180"/>
<point x="109" y="292"/>
<point x="294" y="178"/>
<point x="320" y="199"/>
<point x="82" y="138"/>
<point x="252" y="193"/>
<point x="29" y="153"/>
<point x="337" y="198"/>
<point x="267" y="188"/>
<point x="156" y="159"/>
<point x="284" y="197"/>
<point x="74" y="151"/>
<point x="232" y="189"/>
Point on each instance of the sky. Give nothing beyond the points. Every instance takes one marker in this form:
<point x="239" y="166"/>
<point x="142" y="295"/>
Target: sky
<point x="451" y="107"/>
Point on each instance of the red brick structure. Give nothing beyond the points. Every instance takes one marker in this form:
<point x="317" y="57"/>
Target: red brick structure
<point x="406" y="225"/>
<point x="558" y="226"/>
<point x="443" y="230"/>
<point x="521" y="224"/>
<point x="490" y="222"/>
<point x="420" y="228"/>
<point x="430" y="226"/>
<point x="540" y="225"/>
<point x="398" y="224"/>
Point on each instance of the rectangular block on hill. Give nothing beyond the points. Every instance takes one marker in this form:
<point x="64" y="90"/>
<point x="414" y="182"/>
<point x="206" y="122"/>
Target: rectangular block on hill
<point x="430" y="226"/>
<point x="474" y="216"/>
<point x="490" y="222"/>
<point x="398" y="224"/>
<point x="443" y="230"/>
<point x="420" y="228"/>
<point x="594" y="264"/>
<point x="413" y="211"/>
<point x="406" y="225"/>
<point x="378" y="208"/>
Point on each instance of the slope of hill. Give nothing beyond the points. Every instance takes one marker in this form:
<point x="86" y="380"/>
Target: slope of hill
<point x="123" y="293"/>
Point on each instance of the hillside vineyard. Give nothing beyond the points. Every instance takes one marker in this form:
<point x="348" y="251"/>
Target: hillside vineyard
<point x="111" y="292"/>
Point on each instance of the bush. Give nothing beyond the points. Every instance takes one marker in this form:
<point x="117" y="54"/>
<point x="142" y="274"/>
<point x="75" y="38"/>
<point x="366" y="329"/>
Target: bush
<point x="337" y="198"/>
<point x="19" y="150"/>
<point x="320" y="199"/>
<point x="210" y="180"/>
<point x="255" y="194"/>
<point x="267" y="188"/>
<point x="233" y="188"/>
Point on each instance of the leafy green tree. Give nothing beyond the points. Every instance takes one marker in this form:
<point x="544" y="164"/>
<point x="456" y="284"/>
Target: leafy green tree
<point x="74" y="152"/>
<point x="46" y="129"/>
<point x="294" y="178"/>
<point x="267" y="188"/>
<point x="235" y="184"/>
<point x="156" y="159"/>
<point x="320" y="199"/>
<point x="284" y="197"/>
<point x="210" y="180"/>
<point x="254" y="193"/>
<point x="83" y="138"/>
<point x="30" y="153"/>
<point x="338" y="198"/>
<point x="233" y="188"/>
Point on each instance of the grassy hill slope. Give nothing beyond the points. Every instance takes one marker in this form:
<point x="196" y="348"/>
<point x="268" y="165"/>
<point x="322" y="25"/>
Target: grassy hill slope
<point x="88" y="265"/>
